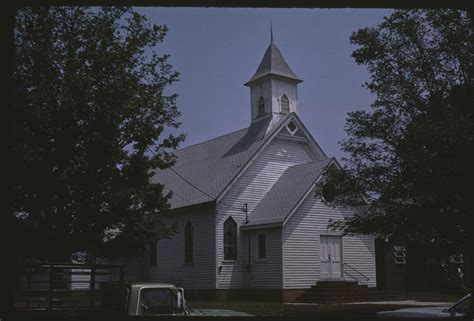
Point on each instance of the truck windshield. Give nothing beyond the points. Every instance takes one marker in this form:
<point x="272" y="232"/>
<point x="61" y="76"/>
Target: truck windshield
<point x="159" y="301"/>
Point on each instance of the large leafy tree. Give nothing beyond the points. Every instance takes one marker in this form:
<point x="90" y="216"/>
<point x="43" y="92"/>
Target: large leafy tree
<point x="411" y="154"/>
<point x="91" y="108"/>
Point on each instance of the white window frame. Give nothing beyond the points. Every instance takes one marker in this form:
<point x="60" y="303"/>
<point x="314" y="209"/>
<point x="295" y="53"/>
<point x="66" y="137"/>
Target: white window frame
<point x="281" y="104"/>
<point x="261" y="98"/>
<point x="258" y="247"/>
<point x="224" y="245"/>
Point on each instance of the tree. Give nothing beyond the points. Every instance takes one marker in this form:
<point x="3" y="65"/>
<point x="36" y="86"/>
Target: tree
<point x="90" y="107"/>
<point x="410" y="156"/>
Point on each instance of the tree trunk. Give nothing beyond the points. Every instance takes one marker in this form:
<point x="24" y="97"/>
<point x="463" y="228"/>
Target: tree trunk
<point x="7" y="233"/>
<point x="470" y="271"/>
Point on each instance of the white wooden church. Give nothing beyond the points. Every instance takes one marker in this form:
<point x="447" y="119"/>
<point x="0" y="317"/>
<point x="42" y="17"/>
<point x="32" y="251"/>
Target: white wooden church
<point x="250" y="219"/>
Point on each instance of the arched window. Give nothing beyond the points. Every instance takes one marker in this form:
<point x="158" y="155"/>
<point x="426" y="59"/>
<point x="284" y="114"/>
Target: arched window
<point x="261" y="106"/>
<point x="153" y="254"/>
<point x="328" y="192"/>
<point x="188" y="243"/>
<point x="230" y="239"/>
<point x="284" y="104"/>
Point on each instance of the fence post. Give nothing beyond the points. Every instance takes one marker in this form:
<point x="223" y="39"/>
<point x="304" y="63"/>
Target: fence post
<point x="51" y="287"/>
<point x="121" y="276"/>
<point x="92" y="286"/>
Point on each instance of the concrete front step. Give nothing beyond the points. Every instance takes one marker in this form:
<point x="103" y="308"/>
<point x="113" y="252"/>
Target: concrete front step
<point x="338" y="286"/>
<point x="337" y="290"/>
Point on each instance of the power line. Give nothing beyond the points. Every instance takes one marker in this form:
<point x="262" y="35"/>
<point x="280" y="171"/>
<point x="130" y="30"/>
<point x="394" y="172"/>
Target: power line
<point x="184" y="179"/>
<point x="179" y="196"/>
<point x="195" y="187"/>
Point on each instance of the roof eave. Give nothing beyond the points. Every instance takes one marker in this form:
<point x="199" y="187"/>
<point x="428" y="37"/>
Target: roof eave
<point x="259" y="226"/>
<point x="178" y="210"/>
<point x="331" y="161"/>
<point x="262" y="77"/>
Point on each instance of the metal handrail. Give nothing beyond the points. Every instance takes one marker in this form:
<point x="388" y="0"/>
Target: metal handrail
<point x="367" y="279"/>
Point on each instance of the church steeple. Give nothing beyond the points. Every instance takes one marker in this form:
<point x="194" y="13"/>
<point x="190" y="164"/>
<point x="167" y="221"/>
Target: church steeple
<point x="273" y="87"/>
<point x="271" y="32"/>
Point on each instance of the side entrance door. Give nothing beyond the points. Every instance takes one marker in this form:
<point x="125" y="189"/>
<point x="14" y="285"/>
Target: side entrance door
<point x="330" y="254"/>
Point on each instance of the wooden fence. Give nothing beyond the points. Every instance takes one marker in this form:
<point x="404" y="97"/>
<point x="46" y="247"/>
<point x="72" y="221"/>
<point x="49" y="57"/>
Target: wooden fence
<point x="65" y="286"/>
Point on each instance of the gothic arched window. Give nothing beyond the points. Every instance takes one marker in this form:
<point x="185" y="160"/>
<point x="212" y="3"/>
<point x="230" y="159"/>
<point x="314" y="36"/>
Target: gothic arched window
<point x="284" y="104"/>
<point x="153" y="254"/>
<point x="230" y="239"/>
<point x="188" y="243"/>
<point x="261" y="107"/>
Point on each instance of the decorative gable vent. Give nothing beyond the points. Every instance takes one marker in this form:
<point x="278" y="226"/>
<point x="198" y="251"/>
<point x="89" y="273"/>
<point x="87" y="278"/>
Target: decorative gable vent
<point x="292" y="128"/>
<point x="399" y="254"/>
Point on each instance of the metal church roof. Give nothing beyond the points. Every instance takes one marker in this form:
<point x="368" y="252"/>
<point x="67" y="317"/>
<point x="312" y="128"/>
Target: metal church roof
<point x="211" y="165"/>
<point x="286" y="193"/>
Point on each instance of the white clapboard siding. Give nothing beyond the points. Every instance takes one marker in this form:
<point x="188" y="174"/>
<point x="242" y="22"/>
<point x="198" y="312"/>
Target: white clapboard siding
<point x="250" y="188"/>
<point x="266" y="273"/>
<point x="301" y="237"/>
<point x="359" y="252"/>
<point x="171" y="267"/>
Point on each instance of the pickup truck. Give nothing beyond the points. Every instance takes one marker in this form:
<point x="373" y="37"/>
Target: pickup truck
<point x="148" y="299"/>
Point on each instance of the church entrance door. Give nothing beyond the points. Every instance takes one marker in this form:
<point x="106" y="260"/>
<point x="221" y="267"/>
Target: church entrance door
<point x="330" y="254"/>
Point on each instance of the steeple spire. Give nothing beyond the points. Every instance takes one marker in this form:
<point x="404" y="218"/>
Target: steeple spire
<point x="273" y="64"/>
<point x="271" y="32"/>
<point x="273" y="87"/>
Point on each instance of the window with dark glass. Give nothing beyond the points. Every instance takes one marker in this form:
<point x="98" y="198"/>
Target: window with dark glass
<point x="153" y="254"/>
<point x="329" y="192"/>
<point x="188" y="243"/>
<point x="159" y="301"/>
<point x="262" y="246"/>
<point x="230" y="239"/>
<point x="261" y="106"/>
<point x="285" y="104"/>
<point x="291" y="126"/>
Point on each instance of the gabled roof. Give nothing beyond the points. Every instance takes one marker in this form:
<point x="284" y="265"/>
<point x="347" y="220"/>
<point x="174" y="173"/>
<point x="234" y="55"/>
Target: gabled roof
<point x="210" y="166"/>
<point x="286" y="193"/>
<point x="273" y="64"/>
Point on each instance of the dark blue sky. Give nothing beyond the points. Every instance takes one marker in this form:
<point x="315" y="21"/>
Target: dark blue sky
<point x="218" y="50"/>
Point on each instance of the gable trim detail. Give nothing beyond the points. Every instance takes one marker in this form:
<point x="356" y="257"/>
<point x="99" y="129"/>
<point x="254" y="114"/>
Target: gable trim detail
<point x="276" y="132"/>
<point x="250" y="161"/>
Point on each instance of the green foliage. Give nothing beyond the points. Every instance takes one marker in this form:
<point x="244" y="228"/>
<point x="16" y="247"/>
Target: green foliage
<point x="90" y="108"/>
<point x="411" y="154"/>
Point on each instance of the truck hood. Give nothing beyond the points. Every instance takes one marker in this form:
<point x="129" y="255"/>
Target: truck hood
<point x="426" y="312"/>
<point x="218" y="313"/>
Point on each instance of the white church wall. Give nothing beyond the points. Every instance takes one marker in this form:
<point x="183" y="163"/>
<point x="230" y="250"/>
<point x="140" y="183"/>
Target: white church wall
<point x="266" y="273"/>
<point x="250" y="188"/>
<point x="261" y="89"/>
<point x="171" y="266"/>
<point x="272" y="90"/>
<point x="282" y="87"/>
<point x="301" y="237"/>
